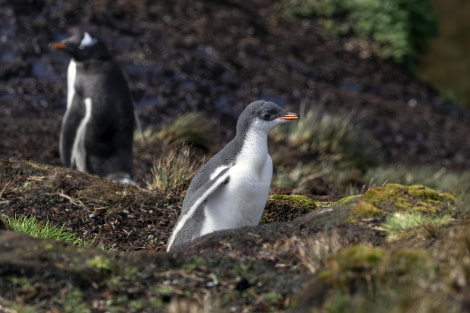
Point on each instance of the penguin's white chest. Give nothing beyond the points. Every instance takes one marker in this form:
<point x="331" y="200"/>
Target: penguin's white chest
<point x="241" y="201"/>
<point x="71" y="75"/>
<point x="78" y="149"/>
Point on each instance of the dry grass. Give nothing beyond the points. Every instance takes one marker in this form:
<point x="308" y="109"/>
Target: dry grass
<point x="314" y="253"/>
<point x="192" y="128"/>
<point x="334" y="139"/>
<point x="329" y="145"/>
<point x="174" y="169"/>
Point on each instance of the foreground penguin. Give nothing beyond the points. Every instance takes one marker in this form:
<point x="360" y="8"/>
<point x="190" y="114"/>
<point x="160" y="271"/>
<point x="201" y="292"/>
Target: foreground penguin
<point x="231" y="189"/>
<point x="98" y="126"/>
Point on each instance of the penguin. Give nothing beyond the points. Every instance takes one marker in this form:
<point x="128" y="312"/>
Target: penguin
<point x="231" y="189"/>
<point x="98" y="126"/>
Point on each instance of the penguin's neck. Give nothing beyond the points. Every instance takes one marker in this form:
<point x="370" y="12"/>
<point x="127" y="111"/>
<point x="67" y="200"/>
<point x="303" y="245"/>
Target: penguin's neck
<point x="254" y="149"/>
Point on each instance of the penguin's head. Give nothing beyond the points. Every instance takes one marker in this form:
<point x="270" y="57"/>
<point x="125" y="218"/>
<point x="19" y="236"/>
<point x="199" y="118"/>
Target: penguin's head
<point x="83" y="47"/>
<point x="263" y="116"/>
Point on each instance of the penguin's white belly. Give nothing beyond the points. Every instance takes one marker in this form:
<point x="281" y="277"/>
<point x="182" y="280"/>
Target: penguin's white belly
<point x="241" y="201"/>
<point x="78" y="149"/>
<point x="71" y="74"/>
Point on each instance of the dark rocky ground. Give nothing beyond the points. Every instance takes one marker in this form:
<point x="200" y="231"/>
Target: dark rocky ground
<point x="182" y="56"/>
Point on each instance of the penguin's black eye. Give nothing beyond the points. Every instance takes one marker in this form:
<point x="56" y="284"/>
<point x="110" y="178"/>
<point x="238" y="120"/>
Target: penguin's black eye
<point x="266" y="116"/>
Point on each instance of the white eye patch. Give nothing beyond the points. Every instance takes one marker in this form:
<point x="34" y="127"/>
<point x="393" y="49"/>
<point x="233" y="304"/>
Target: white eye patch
<point x="87" y="41"/>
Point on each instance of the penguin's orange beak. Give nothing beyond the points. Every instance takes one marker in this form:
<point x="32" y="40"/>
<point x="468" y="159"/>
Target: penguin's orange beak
<point x="290" y="116"/>
<point x="59" y="46"/>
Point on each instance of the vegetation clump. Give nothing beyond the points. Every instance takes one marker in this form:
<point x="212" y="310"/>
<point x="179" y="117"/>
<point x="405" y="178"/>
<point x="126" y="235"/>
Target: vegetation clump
<point x="396" y="29"/>
<point x="31" y="226"/>
<point x="298" y="199"/>
<point x="174" y="169"/>
<point x="391" y="198"/>
<point x="401" y="208"/>
<point x="190" y="128"/>
<point x="337" y="147"/>
<point x="373" y="279"/>
<point x="330" y="138"/>
<point x="399" y="224"/>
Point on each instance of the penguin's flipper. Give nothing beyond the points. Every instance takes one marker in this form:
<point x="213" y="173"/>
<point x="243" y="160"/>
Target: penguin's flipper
<point x="195" y="200"/>
<point x="70" y="123"/>
<point x="205" y="191"/>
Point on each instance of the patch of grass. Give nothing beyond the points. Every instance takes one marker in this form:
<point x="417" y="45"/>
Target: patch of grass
<point x="396" y="29"/>
<point x="192" y="128"/>
<point x="299" y="177"/>
<point x="174" y="169"/>
<point x="332" y="140"/>
<point x="31" y="226"/>
<point x="399" y="223"/>
<point x="100" y="263"/>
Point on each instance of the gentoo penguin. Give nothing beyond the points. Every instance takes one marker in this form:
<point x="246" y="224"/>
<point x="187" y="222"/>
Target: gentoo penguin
<point x="98" y="125"/>
<point x="231" y="189"/>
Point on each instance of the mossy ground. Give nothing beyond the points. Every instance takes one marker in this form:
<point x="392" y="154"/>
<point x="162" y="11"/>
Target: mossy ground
<point x="394" y="198"/>
<point x="261" y="269"/>
<point x="403" y="210"/>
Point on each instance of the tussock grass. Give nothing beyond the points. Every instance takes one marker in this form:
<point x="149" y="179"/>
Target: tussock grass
<point x="299" y="177"/>
<point x="314" y="253"/>
<point x="400" y="223"/>
<point x="31" y="226"/>
<point x="335" y="146"/>
<point x="192" y="128"/>
<point x="330" y="138"/>
<point x="174" y="169"/>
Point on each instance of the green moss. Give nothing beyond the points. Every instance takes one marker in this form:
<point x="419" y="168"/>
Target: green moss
<point x="429" y="194"/>
<point x="359" y="257"/>
<point x="348" y="199"/>
<point x="100" y="263"/>
<point x="379" y="194"/>
<point x="352" y="259"/>
<point x="366" y="266"/>
<point x="415" y="260"/>
<point x="393" y="198"/>
<point x="425" y="207"/>
<point x="304" y="201"/>
<point x="364" y="209"/>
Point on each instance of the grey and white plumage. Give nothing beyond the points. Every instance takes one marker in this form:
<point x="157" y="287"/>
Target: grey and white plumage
<point x="98" y="125"/>
<point x="231" y="189"/>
